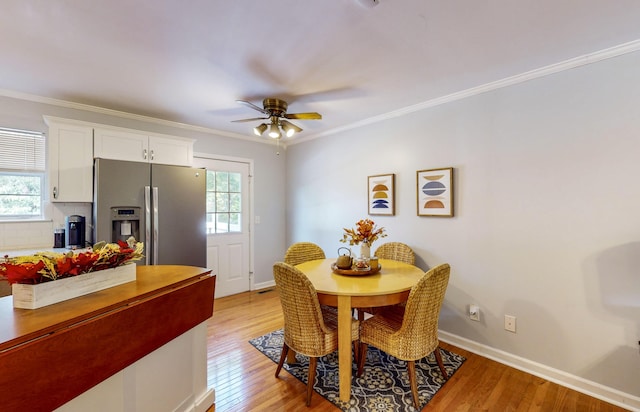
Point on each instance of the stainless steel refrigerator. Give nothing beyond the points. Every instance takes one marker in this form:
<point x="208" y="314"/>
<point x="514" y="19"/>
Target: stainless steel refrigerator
<point x="163" y="206"/>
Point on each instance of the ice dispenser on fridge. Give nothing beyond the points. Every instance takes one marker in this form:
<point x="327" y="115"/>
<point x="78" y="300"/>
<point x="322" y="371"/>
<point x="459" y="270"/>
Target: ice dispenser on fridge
<point x="125" y="222"/>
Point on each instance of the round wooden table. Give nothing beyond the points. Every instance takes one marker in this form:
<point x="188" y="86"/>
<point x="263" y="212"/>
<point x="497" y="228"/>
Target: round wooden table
<point x="391" y="285"/>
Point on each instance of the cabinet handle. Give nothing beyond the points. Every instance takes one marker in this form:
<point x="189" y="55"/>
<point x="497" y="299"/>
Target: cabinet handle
<point x="144" y="154"/>
<point x="152" y="157"/>
<point x="55" y="192"/>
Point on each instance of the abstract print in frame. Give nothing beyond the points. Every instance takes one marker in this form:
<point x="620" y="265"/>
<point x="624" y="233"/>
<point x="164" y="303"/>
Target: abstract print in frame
<point x="435" y="192"/>
<point x="381" y="197"/>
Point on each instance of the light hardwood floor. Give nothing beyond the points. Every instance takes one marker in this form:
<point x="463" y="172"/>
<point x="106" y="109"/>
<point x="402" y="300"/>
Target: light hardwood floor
<point x="244" y="380"/>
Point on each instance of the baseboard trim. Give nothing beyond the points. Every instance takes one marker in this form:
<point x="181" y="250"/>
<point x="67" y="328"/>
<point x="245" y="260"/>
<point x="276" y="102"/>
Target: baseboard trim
<point x="264" y="285"/>
<point x="206" y="401"/>
<point x="607" y="394"/>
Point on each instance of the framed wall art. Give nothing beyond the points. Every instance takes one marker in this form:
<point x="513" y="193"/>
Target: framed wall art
<point x="435" y="192"/>
<point x="381" y="195"/>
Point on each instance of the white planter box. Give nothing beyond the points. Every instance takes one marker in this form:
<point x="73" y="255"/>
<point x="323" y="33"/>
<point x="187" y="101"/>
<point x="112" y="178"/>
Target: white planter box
<point x="48" y="293"/>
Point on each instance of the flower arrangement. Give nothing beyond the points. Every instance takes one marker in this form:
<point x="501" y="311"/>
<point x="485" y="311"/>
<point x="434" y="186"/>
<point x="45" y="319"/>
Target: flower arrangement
<point x="365" y="231"/>
<point x="47" y="266"/>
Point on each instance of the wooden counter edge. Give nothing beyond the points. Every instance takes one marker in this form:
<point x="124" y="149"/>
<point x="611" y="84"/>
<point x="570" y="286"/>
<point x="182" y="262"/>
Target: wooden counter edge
<point x="48" y="372"/>
<point x="18" y="326"/>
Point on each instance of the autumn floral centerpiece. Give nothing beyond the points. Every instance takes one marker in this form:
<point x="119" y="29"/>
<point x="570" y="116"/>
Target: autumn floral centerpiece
<point x="47" y="266"/>
<point x="46" y="278"/>
<point x="365" y="232"/>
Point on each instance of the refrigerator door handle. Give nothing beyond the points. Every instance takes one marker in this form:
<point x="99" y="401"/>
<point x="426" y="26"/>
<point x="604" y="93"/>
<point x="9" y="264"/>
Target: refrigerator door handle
<point x="147" y="221"/>
<point x="156" y="238"/>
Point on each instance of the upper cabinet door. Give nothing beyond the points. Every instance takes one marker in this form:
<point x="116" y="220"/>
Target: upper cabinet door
<point x="121" y="145"/>
<point x="70" y="162"/>
<point x="170" y="150"/>
<point x="142" y="147"/>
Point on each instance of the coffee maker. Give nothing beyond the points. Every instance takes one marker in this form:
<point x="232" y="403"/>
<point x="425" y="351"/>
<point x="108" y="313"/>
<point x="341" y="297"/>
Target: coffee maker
<point x="74" y="235"/>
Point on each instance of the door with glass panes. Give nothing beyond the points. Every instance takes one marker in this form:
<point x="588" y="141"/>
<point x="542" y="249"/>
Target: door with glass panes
<point x="228" y="236"/>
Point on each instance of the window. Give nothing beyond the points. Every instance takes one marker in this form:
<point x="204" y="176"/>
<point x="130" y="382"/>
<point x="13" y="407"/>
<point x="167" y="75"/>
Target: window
<point x="22" y="169"/>
<point x="224" y="202"/>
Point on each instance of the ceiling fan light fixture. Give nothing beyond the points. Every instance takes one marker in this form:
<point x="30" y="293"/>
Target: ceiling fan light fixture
<point x="289" y="131"/>
<point x="258" y="130"/>
<point x="274" y="131"/>
<point x="276" y="110"/>
<point x="289" y="128"/>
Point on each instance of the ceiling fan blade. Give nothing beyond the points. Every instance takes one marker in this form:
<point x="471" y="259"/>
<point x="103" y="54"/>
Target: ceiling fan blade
<point x="253" y="106"/>
<point x="249" y="120"/>
<point x="304" y="116"/>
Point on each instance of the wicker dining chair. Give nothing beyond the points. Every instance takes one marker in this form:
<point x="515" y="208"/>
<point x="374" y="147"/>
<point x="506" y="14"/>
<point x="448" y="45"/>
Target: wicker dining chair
<point x="308" y="329"/>
<point x="409" y="333"/>
<point x="303" y="252"/>
<point x="396" y="251"/>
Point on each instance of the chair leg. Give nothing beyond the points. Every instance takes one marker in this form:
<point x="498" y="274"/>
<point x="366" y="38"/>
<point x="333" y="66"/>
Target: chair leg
<point x="414" y="384"/>
<point x="283" y="356"/>
<point x="362" y="356"/>
<point x="440" y="364"/>
<point x="356" y="352"/>
<point x="313" y="363"/>
<point x="291" y="357"/>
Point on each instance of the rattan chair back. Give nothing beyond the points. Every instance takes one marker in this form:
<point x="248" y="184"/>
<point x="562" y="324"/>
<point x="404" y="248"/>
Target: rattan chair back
<point x="309" y="329"/>
<point x="410" y="333"/>
<point x="396" y="251"/>
<point x="303" y="252"/>
<point x="418" y="335"/>
<point x="304" y="329"/>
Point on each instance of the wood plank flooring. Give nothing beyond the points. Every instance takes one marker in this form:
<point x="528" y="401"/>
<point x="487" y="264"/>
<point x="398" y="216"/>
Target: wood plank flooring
<point x="244" y="380"/>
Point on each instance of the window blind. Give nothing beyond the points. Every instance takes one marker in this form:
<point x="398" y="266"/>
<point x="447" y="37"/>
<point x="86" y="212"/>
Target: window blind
<point x="21" y="150"/>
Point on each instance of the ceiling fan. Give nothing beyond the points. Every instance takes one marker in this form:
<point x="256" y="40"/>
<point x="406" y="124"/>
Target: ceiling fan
<point x="276" y="112"/>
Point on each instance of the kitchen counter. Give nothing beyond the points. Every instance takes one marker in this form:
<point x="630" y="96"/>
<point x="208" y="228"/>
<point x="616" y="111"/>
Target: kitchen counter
<point x="51" y="355"/>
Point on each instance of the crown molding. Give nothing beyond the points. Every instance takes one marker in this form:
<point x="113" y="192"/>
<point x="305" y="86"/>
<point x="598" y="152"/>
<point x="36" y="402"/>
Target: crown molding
<point x="573" y="63"/>
<point x="117" y="113"/>
<point x="583" y="60"/>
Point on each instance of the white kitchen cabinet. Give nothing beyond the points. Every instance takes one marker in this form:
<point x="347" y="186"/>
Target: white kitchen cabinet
<point x="120" y="145"/>
<point x="170" y="150"/>
<point x="70" y="161"/>
<point x="135" y="146"/>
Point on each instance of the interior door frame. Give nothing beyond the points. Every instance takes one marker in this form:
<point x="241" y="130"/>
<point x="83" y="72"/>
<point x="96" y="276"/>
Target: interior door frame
<point x="248" y="161"/>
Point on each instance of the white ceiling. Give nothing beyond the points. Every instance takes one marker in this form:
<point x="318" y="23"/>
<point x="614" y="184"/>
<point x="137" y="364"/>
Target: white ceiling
<point x="188" y="61"/>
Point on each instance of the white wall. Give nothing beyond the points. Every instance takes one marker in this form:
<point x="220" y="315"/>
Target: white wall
<point x="547" y="212"/>
<point x="269" y="197"/>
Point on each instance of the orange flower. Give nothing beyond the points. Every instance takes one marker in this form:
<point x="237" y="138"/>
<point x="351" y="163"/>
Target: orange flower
<point x="21" y="273"/>
<point x="365" y="231"/>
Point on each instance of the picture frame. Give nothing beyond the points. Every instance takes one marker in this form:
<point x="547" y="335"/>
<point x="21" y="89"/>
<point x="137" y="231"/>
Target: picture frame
<point x="381" y="195"/>
<point x="435" y="192"/>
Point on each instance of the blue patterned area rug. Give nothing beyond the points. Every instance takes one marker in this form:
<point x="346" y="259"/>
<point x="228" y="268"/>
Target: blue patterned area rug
<point x="384" y="385"/>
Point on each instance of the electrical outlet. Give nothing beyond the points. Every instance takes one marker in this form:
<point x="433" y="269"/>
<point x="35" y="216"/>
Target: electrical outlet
<point x="510" y="323"/>
<point x="474" y="313"/>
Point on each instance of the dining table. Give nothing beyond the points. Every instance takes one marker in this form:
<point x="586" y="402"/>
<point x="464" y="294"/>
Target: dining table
<point x="390" y="285"/>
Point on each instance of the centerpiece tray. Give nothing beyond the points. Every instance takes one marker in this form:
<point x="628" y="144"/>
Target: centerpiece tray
<point x="354" y="272"/>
